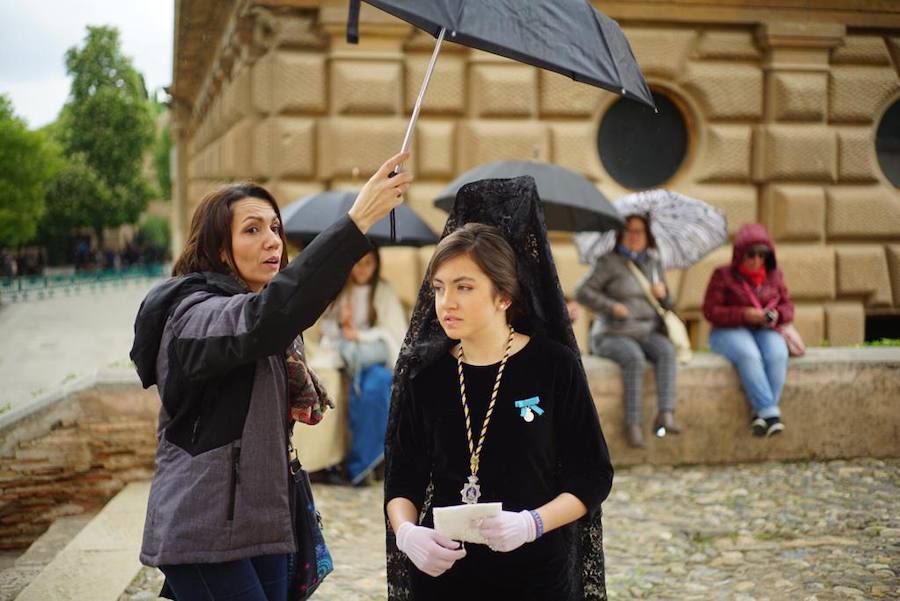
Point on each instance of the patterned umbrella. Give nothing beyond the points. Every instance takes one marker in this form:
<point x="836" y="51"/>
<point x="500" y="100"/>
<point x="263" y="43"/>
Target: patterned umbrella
<point x="685" y="229"/>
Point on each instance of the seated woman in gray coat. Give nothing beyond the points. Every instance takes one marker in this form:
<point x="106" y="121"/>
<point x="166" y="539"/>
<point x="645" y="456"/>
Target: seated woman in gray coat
<point x="633" y="331"/>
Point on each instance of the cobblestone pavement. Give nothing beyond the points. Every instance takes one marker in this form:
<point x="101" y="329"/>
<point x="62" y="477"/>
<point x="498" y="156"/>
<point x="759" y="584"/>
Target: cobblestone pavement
<point x="804" y="531"/>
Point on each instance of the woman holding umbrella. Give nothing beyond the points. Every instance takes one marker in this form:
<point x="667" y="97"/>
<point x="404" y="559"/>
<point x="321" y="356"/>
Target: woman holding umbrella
<point x="222" y="341"/>
<point x="634" y="331"/>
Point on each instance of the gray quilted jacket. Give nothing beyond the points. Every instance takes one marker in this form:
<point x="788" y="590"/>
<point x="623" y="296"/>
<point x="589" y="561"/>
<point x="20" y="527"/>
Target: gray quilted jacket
<point x="609" y="282"/>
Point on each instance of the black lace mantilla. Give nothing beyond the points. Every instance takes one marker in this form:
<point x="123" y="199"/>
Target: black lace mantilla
<point x="513" y="206"/>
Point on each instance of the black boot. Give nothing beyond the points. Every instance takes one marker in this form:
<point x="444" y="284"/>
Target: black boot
<point x="635" y="436"/>
<point x="665" y="424"/>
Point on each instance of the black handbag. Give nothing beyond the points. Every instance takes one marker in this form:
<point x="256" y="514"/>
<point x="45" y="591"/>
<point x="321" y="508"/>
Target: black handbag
<point x="312" y="562"/>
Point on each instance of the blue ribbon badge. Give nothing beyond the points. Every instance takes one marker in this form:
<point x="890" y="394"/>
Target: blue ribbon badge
<point x="528" y="407"/>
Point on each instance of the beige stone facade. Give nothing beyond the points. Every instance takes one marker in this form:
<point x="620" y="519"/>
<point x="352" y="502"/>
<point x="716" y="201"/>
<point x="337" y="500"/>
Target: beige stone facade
<point x="782" y="104"/>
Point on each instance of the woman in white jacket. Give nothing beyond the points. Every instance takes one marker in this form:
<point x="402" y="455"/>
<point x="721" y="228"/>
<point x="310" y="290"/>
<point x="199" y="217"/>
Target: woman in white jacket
<point x="365" y="326"/>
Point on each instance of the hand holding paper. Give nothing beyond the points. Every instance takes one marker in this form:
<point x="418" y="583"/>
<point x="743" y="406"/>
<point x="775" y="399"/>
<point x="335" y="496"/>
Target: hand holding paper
<point x="430" y="551"/>
<point x="509" y="530"/>
<point x="460" y="522"/>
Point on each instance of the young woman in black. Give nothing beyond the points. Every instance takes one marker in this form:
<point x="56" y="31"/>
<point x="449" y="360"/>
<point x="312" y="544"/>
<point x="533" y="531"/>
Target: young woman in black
<point x="503" y="414"/>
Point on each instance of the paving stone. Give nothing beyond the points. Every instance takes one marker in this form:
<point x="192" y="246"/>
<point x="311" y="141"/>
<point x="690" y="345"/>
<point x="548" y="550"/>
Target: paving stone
<point x="751" y="531"/>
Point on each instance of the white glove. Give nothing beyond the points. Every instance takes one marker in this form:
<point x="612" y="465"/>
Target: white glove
<point x="509" y="530"/>
<point x="431" y="552"/>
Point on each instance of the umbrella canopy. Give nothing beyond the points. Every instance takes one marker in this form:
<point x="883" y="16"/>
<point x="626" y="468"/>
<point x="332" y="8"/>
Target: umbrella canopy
<point x="571" y="202"/>
<point x="566" y="36"/>
<point x="685" y="229"/>
<point x="305" y="218"/>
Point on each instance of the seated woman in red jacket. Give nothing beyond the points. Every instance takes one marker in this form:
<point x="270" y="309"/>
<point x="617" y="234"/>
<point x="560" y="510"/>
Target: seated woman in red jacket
<point x="747" y="302"/>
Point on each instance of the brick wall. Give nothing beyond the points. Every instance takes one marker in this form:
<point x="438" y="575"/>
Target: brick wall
<point x="73" y="457"/>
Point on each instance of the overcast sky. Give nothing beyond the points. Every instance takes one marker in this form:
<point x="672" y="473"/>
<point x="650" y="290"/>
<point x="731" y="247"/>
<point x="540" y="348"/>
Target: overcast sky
<point x="35" y="34"/>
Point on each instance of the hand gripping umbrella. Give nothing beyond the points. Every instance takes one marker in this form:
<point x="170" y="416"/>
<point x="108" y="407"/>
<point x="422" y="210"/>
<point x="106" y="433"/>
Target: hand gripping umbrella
<point x="566" y="36"/>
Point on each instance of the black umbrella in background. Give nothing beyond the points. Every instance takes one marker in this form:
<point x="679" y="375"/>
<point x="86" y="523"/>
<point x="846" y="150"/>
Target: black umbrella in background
<point x="569" y="37"/>
<point x="303" y="220"/>
<point x="571" y="202"/>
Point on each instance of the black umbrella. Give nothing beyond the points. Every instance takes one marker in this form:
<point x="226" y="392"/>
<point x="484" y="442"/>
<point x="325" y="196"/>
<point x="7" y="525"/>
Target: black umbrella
<point x="303" y="220"/>
<point x="566" y="36"/>
<point x="570" y="37"/>
<point x="571" y="202"/>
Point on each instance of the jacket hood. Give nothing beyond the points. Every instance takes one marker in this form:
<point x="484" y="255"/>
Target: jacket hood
<point x="752" y="234"/>
<point x="159" y="304"/>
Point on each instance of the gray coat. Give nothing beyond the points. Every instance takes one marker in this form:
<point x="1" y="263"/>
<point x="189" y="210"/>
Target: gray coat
<point x="609" y="282"/>
<point x="217" y="356"/>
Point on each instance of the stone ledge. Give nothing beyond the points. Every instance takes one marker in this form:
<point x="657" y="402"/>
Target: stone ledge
<point x="102" y="559"/>
<point x="837" y="403"/>
<point x="68" y="452"/>
<point x="37" y="409"/>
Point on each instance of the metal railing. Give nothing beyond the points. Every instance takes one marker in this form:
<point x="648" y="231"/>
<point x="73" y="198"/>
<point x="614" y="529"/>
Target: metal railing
<point x="36" y="287"/>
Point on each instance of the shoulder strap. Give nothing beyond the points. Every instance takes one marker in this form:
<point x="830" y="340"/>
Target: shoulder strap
<point x="645" y="285"/>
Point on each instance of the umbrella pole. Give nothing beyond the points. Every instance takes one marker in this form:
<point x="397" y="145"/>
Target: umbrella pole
<point x="407" y="139"/>
<point x="415" y="114"/>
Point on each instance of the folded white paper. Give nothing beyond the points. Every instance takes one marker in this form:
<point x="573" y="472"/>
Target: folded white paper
<point x="459" y="522"/>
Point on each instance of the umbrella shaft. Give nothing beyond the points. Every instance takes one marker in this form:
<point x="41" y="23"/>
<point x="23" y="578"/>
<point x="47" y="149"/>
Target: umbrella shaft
<point x="415" y="114"/>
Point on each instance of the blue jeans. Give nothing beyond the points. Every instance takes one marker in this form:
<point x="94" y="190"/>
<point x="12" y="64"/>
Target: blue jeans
<point x="761" y="359"/>
<point x="262" y="578"/>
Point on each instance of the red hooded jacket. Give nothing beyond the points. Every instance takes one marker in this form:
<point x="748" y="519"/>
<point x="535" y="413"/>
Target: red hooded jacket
<point x="727" y="297"/>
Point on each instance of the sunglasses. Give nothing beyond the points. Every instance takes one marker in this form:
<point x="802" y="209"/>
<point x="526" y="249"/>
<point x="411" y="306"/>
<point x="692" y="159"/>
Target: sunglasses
<point x="757" y="252"/>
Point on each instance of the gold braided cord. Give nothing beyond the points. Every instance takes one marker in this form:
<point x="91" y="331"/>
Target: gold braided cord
<point x="475" y="452"/>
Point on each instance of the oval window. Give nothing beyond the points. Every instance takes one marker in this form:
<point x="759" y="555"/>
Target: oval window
<point x="887" y="143"/>
<point x="640" y="148"/>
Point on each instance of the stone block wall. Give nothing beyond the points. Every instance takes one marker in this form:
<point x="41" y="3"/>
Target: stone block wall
<point x="73" y="457"/>
<point x="782" y="120"/>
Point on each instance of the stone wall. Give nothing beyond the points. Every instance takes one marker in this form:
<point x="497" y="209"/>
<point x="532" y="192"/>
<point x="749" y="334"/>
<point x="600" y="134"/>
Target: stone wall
<point x="782" y="120"/>
<point x="72" y="456"/>
<point x="75" y="450"/>
<point x="837" y="403"/>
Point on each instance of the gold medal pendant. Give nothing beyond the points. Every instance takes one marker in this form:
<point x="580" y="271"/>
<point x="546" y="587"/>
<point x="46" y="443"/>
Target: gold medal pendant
<point x="529" y="415"/>
<point x="471" y="491"/>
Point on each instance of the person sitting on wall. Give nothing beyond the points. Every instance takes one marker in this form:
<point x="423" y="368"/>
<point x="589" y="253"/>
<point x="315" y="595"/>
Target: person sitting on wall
<point x="746" y="302"/>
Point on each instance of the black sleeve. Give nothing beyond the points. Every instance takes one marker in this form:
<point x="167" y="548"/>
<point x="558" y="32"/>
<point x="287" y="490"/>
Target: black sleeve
<point x="290" y="303"/>
<point x="409" y="464"/>
<point x="586" y="469"/>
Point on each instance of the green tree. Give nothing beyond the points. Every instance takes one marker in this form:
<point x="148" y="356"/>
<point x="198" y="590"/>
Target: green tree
<point x="77" y="197"/>
<point x="27" y="163"/>
<point x="108" y="118"/>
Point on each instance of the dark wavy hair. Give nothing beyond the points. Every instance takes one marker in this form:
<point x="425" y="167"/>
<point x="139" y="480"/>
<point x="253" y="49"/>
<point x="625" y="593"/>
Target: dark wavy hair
<point x="211" y="231"/>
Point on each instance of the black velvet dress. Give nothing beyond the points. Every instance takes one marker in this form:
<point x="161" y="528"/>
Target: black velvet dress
<point x="523" y="464"/>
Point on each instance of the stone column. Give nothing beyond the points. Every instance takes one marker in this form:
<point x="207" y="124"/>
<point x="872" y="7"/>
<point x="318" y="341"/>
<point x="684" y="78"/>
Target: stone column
<point x="178" y="161"/>
<point x="795" y="157"/>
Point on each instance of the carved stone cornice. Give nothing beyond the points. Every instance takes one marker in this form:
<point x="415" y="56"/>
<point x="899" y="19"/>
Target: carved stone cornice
<point x="198" y="26"/>
<point x="214" y="40"/>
